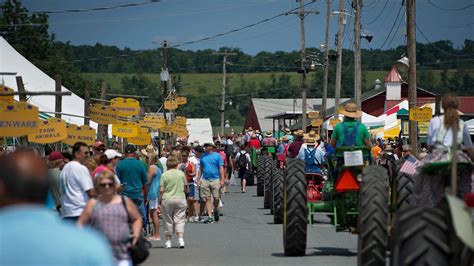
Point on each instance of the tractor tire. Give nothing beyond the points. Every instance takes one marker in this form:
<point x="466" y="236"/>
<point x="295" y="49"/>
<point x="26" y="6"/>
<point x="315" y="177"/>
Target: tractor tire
<point x="373" y="217"/>
<point x="278" y="177"/>
<point x="295" y="211"/>
<point x="421" y="237"/>
<point x="267" y="175"/>
<point x="260" y="176"/>
<point x="405" y="191"/>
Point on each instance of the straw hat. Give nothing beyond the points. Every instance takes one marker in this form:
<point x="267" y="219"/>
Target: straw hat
<point x="268" y="133"/>
<point x="350" y="110"/>
<point x="310" y="141"/>
<point x="149" y="150"/>
<point x="287" y="130"/>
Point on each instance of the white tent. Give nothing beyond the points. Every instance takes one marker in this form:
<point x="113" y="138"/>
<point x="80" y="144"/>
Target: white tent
<point x="368" y="120"/>
<point x="36" y="80"/>
<point x="200" y="129"/>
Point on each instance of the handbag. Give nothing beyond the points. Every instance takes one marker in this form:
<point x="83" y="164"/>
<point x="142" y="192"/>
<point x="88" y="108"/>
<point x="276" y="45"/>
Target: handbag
<point x="140" y="251"/>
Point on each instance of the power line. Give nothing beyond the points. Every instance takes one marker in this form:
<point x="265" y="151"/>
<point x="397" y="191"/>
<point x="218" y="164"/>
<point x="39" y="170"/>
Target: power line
<point x="380" y="13"/>
<point x="447" y="9"/>
<point x="441" y="50"/>
<point x="96" y="8"/>
<point x="391" y="29"/>
<point x="396" y="31"/>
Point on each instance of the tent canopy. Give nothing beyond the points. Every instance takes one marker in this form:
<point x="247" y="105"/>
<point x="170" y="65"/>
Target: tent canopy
<point x="200" y="129"/>
<point x="36" y="80"/>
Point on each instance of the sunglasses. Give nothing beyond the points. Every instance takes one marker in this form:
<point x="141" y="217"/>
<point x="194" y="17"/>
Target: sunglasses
<point x="106" y="185"/>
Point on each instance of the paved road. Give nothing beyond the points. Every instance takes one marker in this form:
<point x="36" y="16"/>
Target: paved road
<point x="246" y="235"/>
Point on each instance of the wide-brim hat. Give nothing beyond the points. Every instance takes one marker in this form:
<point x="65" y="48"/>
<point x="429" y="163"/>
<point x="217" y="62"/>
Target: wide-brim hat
<point x="210" y="144"/>
<point x="268" y="134"/>
<point x="150" y="150"/>
<point x="287" y="130"/>
<point x="310" y="141"/>
<point x="350" y="110"/>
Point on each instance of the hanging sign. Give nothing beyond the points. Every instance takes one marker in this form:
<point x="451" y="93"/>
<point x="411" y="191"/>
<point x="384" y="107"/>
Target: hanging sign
<point x="49" y="131"/>
<point x="423" y="128"/>
<point x="143" y="138"/>
<point x="167" y="129"/>
<point x="126" y="107"/>
<point x="103" y="114"/>
<point x="316" y="122"/>
<point x="421" y="114"/>
<point x="6" y="99"/>
<point x="154" y="121"/>
<point x="180" y="120"/>
<point x="334" y="121"/>
<point x="182" y="133"/>
<point x="171" y="105"/>
<point x="180" y="100"/>
<point x="313" y="115"/>
<point x="77" y="133"/>
<point x="18" y="119"/>
<point x="125" y="129"/>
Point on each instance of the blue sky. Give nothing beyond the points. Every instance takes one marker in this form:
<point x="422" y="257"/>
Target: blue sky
<point x="144" y="27"/>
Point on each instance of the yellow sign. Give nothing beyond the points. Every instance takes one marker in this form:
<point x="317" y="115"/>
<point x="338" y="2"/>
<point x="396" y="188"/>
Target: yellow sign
<point x="181" y="100"/>
<point x="49" y="131"/>
<point x="423" y="128"/>
<point x="126" y="107"/>
<point x="103" y="114"/>
<point x="313" y="115"/>
<point x="6" y="99"/>
<point x="77" y="133"/>
<point x="316" y="122"/>
<point x="170" y="105"/>
<point x="334" y="121"/>
<point x="182" y="133"/>
<point x="421" y="114"/>
<point x="125" y="129"/>
<point x="18" y="119"/>
<point x="167" y="129"/>
<point x="180" y="120"/>
<point x="154" y="121"/>
<point x="405" y="128"/>
<point x="143" y="138"/>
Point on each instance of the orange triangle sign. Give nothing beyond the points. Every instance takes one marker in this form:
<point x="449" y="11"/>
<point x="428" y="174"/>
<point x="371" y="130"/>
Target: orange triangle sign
<point x="347" y="182"/>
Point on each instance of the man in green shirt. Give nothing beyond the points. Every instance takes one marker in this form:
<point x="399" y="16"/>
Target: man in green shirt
<point x="350" y="132"/>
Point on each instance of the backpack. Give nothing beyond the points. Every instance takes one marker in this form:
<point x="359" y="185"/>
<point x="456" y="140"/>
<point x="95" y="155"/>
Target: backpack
<point x="242" y="161"/>
<point x="350" y="137"/>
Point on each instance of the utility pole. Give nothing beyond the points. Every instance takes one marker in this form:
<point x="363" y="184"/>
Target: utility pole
<point x="304" y="86"/>
<point x="357" y="64"/>
<point x="21" y="89"/>
<point x="58" y="104"/>
<point x="103" y="130"/>
<point x="326" y="60"/>
<point x="87" y="99"/>
<point x="411" y="45"/>
<point x="337" y="93"/>
<point x="224" y="76"/>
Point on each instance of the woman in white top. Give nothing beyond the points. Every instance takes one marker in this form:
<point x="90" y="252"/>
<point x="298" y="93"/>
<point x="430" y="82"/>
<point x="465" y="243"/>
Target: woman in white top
<point x="429" y="188"/>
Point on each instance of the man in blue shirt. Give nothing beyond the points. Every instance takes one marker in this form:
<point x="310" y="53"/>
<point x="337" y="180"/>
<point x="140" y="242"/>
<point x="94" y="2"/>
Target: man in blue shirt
<point x="32" y="234"/>
<point x="211" y="178"/>
<point x="133" y="176"/>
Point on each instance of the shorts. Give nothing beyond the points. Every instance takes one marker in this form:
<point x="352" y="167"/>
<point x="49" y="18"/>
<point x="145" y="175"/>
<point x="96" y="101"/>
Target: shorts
<point x="153" y="204"/>
<point x="193" y="192"/>
<point x="210" y="187"/>
<point x="243" y="173"/>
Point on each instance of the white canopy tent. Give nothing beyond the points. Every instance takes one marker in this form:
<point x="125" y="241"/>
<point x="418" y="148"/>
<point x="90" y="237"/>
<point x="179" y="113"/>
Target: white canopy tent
<point x="200" y="129"/>
<point x="36" y="80"/>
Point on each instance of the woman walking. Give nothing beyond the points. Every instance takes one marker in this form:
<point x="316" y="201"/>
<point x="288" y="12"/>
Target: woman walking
<point x="154" y="177"/>
<point x="173" y="189"/>
<point x="190" y="173"/>
<point x="111" y="215"/>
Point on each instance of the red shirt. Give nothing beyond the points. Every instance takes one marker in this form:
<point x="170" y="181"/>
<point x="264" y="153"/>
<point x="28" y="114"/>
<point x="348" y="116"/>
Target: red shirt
<point x="254" y="143"/>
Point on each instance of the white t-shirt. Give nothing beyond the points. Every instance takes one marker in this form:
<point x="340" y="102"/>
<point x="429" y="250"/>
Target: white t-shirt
<point x="163" y="161"/>
<point x="197" y="163"/>
<point x="246" y="155"/>
<point x="75" y="181"/>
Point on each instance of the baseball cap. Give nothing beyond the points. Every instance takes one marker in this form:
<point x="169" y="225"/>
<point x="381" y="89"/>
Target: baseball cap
<point x="112" y="154"/>
<point x="97" y="144"/>
<point x="130" y="149"/>
<point x="55" y="155"/>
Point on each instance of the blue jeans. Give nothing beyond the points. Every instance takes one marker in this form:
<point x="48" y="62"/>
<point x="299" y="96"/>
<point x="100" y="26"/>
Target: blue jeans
<point x="141" y="208"/>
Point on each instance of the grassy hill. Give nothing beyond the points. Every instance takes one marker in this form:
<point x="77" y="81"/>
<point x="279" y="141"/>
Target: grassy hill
<point x="213" y="81"/>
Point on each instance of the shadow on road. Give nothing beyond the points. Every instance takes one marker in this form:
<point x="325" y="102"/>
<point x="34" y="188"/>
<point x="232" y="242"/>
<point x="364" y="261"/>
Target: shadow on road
<point x="324" y="251"/>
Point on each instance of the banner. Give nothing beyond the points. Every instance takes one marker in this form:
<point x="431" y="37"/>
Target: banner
<point x="125" y="129"/>
<point x="6" y="99"/>
<point x="126" y="107"/>
<point x="154" y="121"/>
<point x="103" y="114"/>
<point x="170" y="105"/>
<point x="18" y="119"/>
<point x="143" y="138"/>
<point x="180" y="100"/>
<point x="49" y="131"/>
<point x="77" y="133"/>
<point x="421" y="114"/>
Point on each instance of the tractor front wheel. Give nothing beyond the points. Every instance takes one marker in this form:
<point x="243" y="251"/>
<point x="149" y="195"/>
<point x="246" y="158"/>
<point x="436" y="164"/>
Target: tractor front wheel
<point x="295" y="211"/>
<point x="373" y="216"/>
<point x="267" y="177"/>
<point x="260" y="175"/>
<point x="278" y="177"/>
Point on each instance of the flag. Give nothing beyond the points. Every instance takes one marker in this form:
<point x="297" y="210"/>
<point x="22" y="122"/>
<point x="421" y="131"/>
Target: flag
<point x="409" y="166"/>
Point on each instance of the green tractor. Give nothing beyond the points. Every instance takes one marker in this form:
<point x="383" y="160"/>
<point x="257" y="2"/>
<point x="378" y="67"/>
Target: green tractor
<point x="355" y="195"/>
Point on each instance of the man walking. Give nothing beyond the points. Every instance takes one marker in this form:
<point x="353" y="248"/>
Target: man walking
<point x="211" y="178"/>
<point x="76" y="184"/>
<point x="244" y="166"/>
<point x="133" y="176"/>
